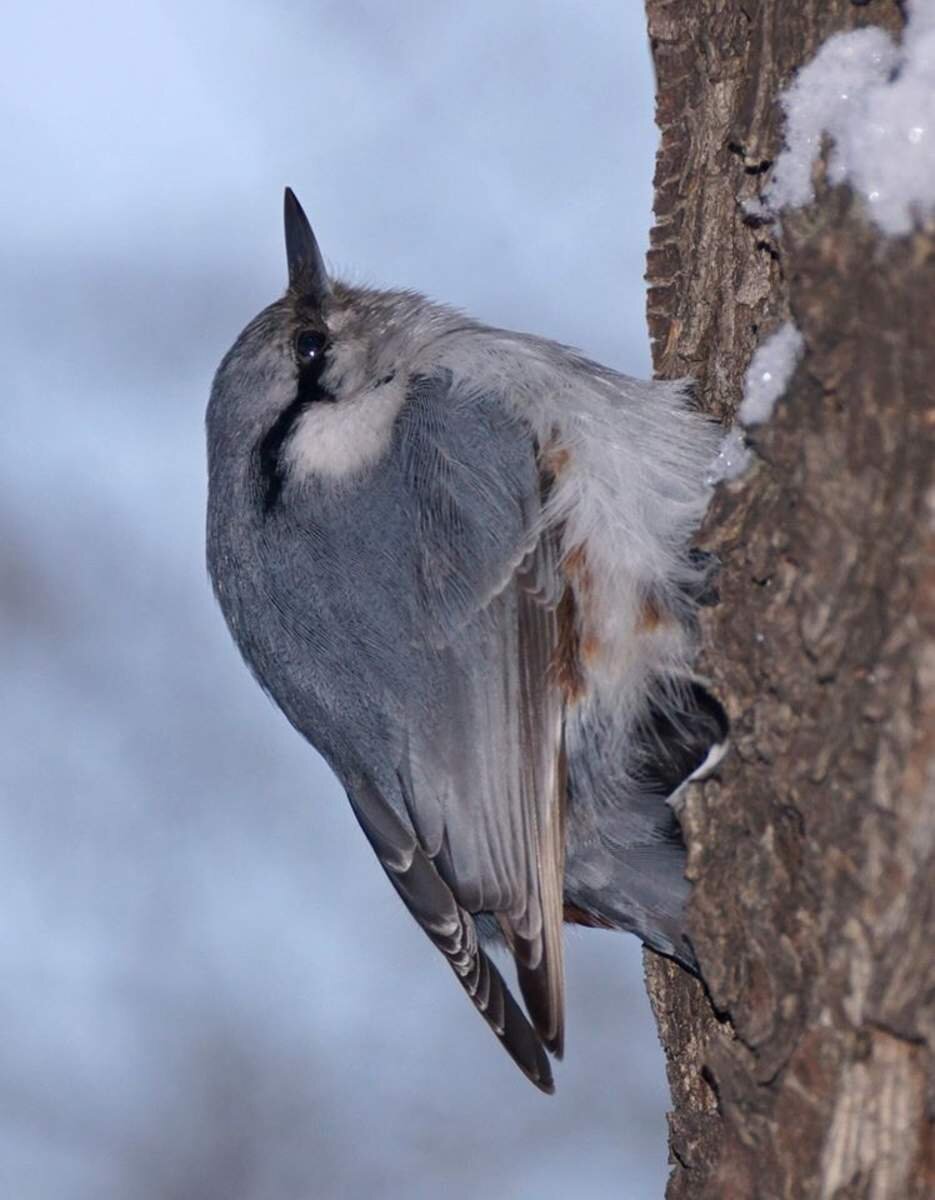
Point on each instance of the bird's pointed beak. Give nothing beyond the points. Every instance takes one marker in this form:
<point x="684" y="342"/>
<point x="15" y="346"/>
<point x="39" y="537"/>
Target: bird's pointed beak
<point x="308" y="275"/>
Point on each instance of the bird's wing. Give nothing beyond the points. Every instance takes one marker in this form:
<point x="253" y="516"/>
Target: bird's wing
<point x="483" y="767"/>
<point x="450" y="927"/>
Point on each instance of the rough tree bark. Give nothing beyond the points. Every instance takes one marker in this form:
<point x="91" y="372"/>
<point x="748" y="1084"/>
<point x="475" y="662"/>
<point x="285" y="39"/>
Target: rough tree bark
<point x="804" y="1068"/>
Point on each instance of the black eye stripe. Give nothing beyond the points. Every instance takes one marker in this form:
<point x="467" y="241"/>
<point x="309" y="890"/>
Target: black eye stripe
<point x="268" y="452"/>
<point x="309" y="391"/>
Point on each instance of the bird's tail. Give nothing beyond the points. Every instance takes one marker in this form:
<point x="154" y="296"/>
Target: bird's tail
<point x="625" y="865"/>
<point x="683" y="737"/>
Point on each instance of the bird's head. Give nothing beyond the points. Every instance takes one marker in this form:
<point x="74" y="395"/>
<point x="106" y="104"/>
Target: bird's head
<point x="315" y="382"/>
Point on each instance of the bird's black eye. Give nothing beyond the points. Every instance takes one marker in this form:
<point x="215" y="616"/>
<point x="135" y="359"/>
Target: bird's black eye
<point x="310" y="347"/>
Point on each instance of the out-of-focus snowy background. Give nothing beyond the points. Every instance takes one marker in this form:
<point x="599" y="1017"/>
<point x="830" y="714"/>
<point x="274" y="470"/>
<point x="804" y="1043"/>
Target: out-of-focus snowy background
<point x="207" y="988"/>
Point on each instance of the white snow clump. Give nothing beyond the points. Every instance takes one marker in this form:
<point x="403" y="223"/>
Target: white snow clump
<point x="766" y="379"/>
<point x="732" y="459"/>
<point x="875" y="99"/>
<point x="769" y="373"/>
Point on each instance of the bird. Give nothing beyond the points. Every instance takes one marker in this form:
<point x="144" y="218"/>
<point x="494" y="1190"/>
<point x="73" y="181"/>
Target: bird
<point x="460" y="560"/>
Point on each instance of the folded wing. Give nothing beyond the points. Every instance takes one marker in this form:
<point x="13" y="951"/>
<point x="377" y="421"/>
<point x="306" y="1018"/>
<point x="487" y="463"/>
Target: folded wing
<point x="482" y="773"/>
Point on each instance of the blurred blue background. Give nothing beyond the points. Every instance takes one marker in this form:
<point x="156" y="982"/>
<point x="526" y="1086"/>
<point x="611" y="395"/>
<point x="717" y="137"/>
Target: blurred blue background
<point x="207" y="987"/>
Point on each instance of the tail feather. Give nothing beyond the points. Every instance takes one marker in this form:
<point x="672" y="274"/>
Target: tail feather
<point x="625" y="866"/>
<point x="683" y="736"/>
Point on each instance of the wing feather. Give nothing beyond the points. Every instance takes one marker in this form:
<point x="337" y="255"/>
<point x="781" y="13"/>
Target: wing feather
<point x="451" y="929"/>
<point x="485" y="765"/>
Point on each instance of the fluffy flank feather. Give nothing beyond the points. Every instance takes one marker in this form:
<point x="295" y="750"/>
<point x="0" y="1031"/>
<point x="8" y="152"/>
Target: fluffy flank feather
<point x="629" y="491"/>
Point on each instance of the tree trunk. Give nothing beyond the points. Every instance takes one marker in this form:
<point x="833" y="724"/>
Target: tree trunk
<point x="804" y="1067"/>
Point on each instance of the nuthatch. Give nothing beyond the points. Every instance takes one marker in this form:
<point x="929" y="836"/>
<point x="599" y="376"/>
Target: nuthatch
<point x="458" y="558"/>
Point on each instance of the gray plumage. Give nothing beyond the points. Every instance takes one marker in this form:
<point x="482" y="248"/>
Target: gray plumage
<point x="458" y="559"/>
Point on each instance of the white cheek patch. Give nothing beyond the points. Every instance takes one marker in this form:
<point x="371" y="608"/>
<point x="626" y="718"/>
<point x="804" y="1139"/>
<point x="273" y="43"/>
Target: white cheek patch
<point x="340" y="439"/>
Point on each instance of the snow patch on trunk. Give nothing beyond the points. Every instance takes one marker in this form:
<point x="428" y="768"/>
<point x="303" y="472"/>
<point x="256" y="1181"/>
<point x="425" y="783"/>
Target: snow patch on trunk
<point x="874" y="99"/>
<point x="767" y="378"/>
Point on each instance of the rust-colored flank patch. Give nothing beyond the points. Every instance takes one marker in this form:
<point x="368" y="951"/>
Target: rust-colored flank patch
<point x="566" y="662"/>
<point x="555" y="460"/>
<point x="650" y="617"/>
<point x="577" y="569"/>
